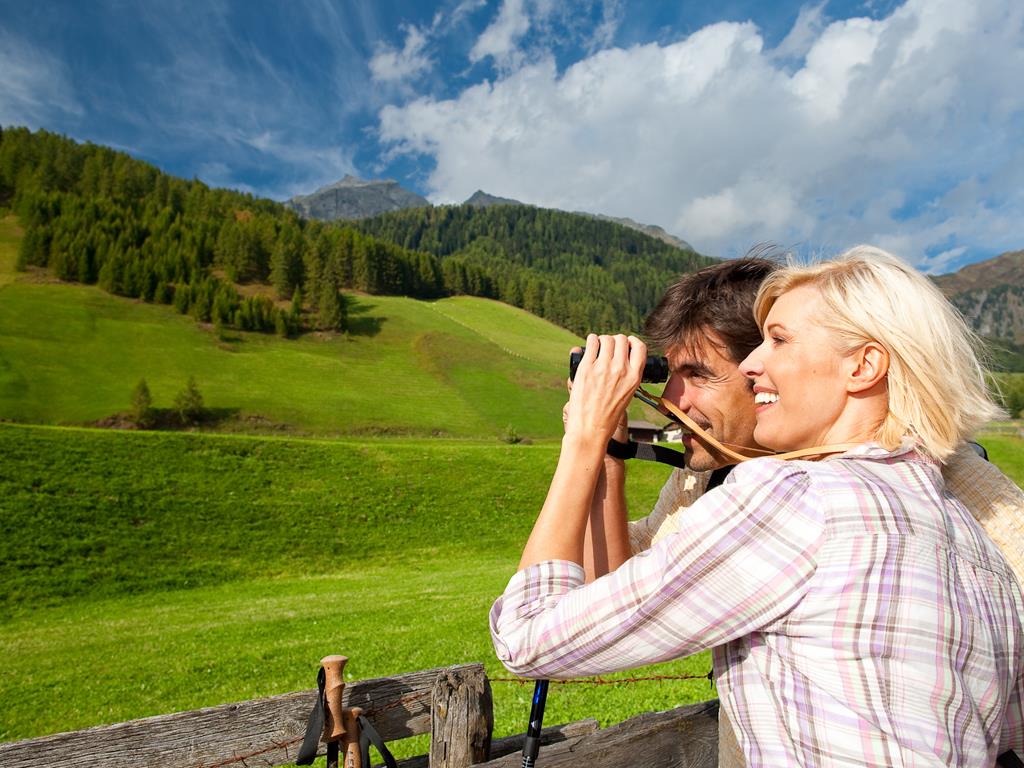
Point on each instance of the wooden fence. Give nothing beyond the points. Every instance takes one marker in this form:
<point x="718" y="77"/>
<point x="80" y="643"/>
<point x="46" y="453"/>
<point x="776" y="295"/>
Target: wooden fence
<point x="453" y="704"/>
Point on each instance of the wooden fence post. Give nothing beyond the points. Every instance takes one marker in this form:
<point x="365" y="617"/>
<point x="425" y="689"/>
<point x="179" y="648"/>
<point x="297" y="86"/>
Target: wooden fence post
<point x="462" y="718"/>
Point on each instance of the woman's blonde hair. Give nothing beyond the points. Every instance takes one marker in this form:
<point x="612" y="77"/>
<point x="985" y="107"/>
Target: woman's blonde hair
<point x="936" y="383"/>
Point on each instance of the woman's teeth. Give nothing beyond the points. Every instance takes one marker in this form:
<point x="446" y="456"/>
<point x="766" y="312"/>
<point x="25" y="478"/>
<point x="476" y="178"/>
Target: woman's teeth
<point x="762" y="398"/>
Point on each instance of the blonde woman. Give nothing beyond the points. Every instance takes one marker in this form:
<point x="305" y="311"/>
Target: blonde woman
<point x="858" y="613"/>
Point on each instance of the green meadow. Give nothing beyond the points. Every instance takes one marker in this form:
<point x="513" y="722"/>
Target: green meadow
<point x="460" y="367"/>
<point x="148" y="573"/>
<point x="377" y="513"/>
<point x="360" y="495"/>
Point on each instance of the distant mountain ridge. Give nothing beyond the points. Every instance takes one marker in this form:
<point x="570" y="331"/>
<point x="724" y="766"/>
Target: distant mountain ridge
<point x="648" y="229"/>
<point x="990" y="294"/>
<point x="481" y="199"/>
<point x="352" y="199"/>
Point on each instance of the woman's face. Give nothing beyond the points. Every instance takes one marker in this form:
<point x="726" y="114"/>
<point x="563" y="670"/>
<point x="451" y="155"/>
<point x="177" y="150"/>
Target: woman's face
<point x="799" y="383"/>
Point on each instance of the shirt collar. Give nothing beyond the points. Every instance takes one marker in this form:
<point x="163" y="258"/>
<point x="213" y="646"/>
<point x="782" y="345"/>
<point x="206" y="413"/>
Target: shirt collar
<point x="907" y="449"/>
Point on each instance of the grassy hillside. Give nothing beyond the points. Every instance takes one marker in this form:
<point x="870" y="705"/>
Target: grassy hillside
<point x="148" y="573"/>
<point x="141" y="511"/>
<point x="463" y="367"/>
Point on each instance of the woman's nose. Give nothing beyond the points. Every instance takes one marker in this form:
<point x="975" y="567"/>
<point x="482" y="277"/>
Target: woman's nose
<point x="752" y="364"/>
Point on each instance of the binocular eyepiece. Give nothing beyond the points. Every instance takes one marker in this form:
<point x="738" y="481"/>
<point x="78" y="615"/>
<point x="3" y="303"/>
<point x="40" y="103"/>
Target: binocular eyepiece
<point x="655" y="368"/>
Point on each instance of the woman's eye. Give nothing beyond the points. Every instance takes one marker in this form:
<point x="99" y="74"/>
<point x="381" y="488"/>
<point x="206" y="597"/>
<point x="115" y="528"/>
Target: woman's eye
<point x="777" y="340"/>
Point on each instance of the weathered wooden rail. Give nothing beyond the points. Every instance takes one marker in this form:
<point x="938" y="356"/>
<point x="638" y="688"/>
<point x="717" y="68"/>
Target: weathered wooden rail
<point x="453" y="704"/>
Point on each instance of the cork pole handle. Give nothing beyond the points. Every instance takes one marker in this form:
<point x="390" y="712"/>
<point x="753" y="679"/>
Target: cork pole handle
<point x="353" y="755"/>
<point x="334" y="686"/>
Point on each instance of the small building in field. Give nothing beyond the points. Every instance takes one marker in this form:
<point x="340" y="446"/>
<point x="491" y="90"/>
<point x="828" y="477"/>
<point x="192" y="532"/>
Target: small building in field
<point x="672" y="433"/>
<point x="644" y="432"/>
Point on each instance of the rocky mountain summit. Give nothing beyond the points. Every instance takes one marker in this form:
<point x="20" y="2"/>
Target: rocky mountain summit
<point x="481" y="199"/>
<point x="990" y="294"/>
<point x="353" y="198"/>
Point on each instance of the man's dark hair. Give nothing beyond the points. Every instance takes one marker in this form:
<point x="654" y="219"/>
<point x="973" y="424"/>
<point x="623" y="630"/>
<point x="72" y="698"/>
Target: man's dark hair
<point x="718" y="298"/>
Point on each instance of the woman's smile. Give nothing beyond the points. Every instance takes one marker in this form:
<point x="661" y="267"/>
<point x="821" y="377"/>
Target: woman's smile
<point x="764" y="399"/>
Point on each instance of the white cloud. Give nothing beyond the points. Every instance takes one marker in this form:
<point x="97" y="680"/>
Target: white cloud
<point x="466" y="7"/>
<point x="393" y="65"/>
<point x="611" y="17"/>
<point x="35" y="85"/>
<point x="903" y="131"/>
<point x="310" y="165"/>
<point x="500" y="39"/>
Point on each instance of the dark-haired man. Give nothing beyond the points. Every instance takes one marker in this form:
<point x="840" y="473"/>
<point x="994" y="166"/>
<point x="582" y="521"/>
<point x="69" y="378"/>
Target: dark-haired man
<point x="705" y="325"/>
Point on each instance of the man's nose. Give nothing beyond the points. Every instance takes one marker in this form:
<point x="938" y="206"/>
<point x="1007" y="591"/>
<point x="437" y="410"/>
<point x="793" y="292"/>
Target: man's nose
<point x="676" y="392"/>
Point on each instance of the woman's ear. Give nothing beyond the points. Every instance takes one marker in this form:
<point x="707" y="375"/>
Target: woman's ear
<point x="870" y="365"/>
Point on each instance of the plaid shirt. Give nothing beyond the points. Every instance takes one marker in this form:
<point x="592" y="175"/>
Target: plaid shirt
<point x="858" y="613"/>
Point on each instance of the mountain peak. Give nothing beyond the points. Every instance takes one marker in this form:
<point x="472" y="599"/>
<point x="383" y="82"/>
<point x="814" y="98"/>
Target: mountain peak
<point x="481" y="199"/>
<point x="355" y="198"/>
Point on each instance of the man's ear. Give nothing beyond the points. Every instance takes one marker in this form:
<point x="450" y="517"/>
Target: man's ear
<point x="869" y="366"/>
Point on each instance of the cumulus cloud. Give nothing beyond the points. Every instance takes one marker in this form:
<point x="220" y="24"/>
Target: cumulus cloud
<point x="393" y="65"/>
<point x="902" y="131"/>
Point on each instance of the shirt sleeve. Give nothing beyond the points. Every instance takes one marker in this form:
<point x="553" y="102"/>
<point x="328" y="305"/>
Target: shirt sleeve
<point x="741" y="559"/>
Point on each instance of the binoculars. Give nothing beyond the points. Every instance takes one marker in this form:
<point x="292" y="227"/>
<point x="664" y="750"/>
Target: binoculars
<point x="655" y="368"/>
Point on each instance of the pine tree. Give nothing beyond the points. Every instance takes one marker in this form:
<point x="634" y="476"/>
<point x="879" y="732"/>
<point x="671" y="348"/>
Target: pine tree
<point x="332" y="309"/>
<point x="189" y="403"/>
<point x="142" y="404"/>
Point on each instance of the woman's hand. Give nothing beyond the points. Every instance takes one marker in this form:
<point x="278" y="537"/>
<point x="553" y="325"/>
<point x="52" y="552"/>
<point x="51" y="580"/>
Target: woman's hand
<point x="621" y="433"/>
<point x="597" y="403"/>
<point x="607" y="377"/>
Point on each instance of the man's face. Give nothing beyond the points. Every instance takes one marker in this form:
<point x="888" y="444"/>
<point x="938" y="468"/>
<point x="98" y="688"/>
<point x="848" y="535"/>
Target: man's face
<point x="707" y="386"/>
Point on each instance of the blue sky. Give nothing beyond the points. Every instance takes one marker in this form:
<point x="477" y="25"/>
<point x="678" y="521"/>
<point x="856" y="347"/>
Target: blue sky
<point x="813" y="126"/>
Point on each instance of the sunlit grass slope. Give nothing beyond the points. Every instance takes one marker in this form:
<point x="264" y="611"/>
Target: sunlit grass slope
<point x="147" y="573"/>
<point x="462" y="367"/>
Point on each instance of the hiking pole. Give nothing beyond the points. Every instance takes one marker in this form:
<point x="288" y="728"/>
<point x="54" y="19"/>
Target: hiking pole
<point x="334" y="722"/>
<point x="350" y="741"/>
<point x="531" y="745"/>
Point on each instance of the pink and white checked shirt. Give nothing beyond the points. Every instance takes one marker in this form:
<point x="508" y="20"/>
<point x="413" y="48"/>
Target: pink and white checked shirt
<point x="858" y="613"/>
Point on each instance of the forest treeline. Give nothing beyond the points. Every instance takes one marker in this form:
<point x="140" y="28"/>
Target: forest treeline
<point x="97" y="216"/>
<point x="582" y="273"/>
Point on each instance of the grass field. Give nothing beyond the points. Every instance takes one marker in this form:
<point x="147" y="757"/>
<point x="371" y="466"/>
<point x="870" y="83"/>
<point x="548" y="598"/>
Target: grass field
<point x="458" y="367"/>
<point x="72" y="354"/>
<point x="148" y="573"/>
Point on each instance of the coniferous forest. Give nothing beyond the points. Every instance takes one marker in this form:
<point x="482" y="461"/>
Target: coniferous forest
<point x="96" y="216"/>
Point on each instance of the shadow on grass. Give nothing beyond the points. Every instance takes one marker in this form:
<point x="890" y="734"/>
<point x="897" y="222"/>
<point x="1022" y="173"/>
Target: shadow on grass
<point x="359" y="322"/>
<point x="169" y="419"/>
